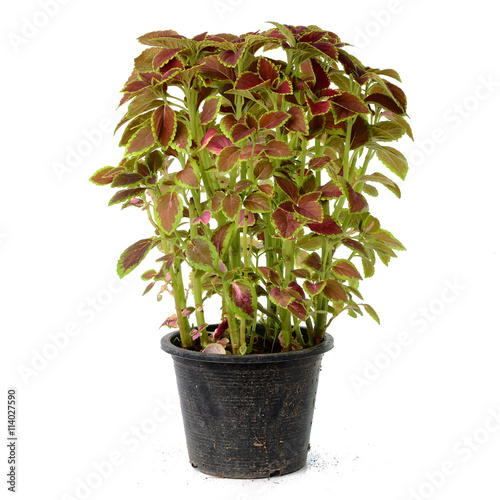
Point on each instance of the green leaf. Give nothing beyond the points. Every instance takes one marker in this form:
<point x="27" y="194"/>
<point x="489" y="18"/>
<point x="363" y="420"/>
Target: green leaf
<point x="382" y="179"/>
<point x="202" y="254"/>
<point x="134" y="255"/>
<point x="387" y="238"/>
<point x="369" y="309"/>
<point x="168" y="211"/>
<point x="391" y="158"/>
<point x="370" y="190"/>
<point x="368" y="268"/>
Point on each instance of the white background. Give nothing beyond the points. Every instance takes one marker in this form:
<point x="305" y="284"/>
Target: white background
<point x="383" y="426"/>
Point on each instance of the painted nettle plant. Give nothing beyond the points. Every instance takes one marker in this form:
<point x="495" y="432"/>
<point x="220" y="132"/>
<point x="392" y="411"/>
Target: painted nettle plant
<point x="254" y="172"/>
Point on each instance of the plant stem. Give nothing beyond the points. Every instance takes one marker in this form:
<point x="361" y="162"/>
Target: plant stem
<point x="197" y="288"/>
<point x="179" y="297"/>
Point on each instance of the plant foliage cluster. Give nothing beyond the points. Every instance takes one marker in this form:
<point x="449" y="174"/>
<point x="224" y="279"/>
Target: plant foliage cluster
<point x="254" y="172"/>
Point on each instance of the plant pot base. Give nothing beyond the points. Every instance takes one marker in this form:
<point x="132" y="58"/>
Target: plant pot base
<point x="247" y="417"/>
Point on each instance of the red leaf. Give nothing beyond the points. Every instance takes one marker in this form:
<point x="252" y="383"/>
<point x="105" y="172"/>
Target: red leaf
<point x="182" y="138"/>
<point x="322" y="80"/>
<point x="285" y="224"/>
<point x="164" y="56"/>
<point x="289" y="188"/>
<point x="250" y="218"/>
<point x="168" y="211"/>
<point x="228" y="158"/>
<point x="327" y="48"/>
<point x="241" y="295"/>
<point x="333" y="290"/>
<point x="386" y="102"/>
<point x="273" y="119"/>
<point x="217" y="143"/>
<point x="297" y="289"/>
<point x="297" y="122"/>
<point x="187" y="177"/>
<point x="330" y="190"/>
<point x="202" y="254"/>
<point x="141" y="141"/>
<point x="207" y="138"/>
<point x="102" y="177"/>
<point x="344" y="269"/>
<point x="133" y="256"/>
<point x="125" y="194"/>
<point x="314" y="288"/>
<point x="230" y="58"/>
<point x="319" y="162"/>
<point x="312" y="210"/>
<point x="267" y="70"/>
<point x="314" y="261"/>
<point x="248" y="81"/>
<point x="277" y="149"/>
<point x="204" y="218"/>
<point x="231" y="205"/>
<point x="218" y="238"/>
<point x="351" y="102"/>
<point x="327" y="227"/>
<point x="164" y="125"/>
<point x="210" y="110"/>
<point x="318" y="108"/>
<point x="357" y="202"/>
<point x="285" y="87"/>
<point x="355" y="245"/>
<point x="280" y="297"/>
<point x="240" y="131"/>
<point x="257" y="202"/>
<point x="298" y="310"/>
<point x="270" y="275"/>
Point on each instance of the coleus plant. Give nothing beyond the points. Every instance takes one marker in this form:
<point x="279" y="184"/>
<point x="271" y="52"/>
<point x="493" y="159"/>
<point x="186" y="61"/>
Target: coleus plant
<point x="253" y="171"/>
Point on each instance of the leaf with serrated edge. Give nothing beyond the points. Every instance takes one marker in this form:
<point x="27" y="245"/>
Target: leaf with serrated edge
<point x="133" y="256"/>
<point x="344" y="269"/>
<point x="202" y="254"/>
<point x="369" y="309"/>
<point x="168" y="211"/>
<point x="243" y="298"/>
<point x="210" y="109"/>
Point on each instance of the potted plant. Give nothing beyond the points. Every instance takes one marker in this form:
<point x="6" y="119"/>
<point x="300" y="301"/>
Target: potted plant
<point x="254" y="173"/>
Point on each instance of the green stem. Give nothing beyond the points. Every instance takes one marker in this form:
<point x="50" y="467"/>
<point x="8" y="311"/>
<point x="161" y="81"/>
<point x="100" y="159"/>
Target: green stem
<point x="197" y="288"/>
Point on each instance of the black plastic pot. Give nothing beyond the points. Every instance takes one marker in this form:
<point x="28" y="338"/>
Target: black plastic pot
<point x="247" y="416"/>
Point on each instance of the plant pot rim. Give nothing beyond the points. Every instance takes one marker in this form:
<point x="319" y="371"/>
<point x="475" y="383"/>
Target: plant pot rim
<point x="167" y="345"/>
